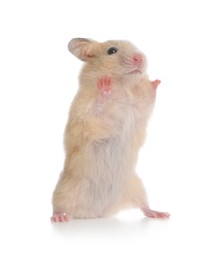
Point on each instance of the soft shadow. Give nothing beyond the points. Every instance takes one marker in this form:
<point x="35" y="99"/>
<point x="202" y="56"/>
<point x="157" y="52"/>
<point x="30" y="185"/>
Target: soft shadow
<point x="101" y="227"/>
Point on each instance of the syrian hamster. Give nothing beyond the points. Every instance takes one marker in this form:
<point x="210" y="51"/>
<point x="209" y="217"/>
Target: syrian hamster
<point x="105" y="130"/>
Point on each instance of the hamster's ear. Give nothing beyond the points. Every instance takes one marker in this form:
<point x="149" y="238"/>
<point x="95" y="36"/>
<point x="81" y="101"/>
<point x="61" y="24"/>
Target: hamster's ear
<point x="82" y="48"/>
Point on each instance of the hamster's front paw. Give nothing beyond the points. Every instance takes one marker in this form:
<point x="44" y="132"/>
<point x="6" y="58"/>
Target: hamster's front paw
<point x="60" y="217"/>
<point x="155" y="83"/>
<point x="104" y="85"/>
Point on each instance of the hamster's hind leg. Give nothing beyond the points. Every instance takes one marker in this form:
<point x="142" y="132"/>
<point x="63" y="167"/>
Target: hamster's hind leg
<point x="136" y="195"/>
<point x="63" y="199"/>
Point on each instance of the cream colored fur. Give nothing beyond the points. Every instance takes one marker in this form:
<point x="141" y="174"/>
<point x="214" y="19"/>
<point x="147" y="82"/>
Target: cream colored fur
<point x="103" y="134"/>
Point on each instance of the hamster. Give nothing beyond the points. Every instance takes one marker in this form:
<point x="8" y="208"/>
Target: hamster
<point x="105" y="130"/>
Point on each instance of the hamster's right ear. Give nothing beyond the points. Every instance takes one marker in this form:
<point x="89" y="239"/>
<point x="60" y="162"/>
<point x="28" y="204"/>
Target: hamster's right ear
<point x="82" y="48"/>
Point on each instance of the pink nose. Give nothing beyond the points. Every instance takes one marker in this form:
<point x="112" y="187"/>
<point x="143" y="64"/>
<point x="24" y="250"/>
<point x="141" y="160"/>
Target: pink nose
<point x="137" y="58"/>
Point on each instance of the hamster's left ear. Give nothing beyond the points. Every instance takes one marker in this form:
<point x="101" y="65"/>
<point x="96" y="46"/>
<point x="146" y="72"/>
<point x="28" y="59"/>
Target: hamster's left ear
<point x="82" y="48"/>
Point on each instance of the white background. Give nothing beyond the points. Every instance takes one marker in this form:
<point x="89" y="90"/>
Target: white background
<point x="180" y="162"/>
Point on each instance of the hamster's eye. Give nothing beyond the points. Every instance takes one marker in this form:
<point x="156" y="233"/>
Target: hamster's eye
<point x="112" y="50"/>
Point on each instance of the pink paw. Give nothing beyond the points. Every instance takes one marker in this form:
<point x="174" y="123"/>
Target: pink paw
<point x="155" y="83"/>
<point x="155" y="214"/>
<point x="60" y="217"/>
<point x="104" y="85"/>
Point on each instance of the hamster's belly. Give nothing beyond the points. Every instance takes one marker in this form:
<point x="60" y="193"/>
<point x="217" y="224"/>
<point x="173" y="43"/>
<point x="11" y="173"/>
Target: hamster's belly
<point x="108" y="165"/>
<point x="107" y="169"/>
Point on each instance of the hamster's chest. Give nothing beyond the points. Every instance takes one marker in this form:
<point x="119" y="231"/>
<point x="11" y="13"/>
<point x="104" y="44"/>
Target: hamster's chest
<point x="129" y="111"/>
<point x="132" y="106"/>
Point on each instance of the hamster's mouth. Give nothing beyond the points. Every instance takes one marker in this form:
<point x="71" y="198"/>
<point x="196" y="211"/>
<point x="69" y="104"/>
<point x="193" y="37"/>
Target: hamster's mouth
<point x="136" y="71"/>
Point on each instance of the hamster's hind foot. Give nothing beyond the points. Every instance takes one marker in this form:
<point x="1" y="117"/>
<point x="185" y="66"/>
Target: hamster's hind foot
<point x="154" y="214"/>
<point x="60" y="217"/>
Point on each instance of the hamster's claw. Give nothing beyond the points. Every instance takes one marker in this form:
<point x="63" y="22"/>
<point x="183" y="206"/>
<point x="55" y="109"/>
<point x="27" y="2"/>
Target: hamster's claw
<point x="104" y="85"/>
<point x="60" y="217"/>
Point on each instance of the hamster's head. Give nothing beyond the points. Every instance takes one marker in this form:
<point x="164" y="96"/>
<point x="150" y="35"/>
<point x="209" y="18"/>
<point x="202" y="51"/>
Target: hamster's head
<point x="119" y="59"/>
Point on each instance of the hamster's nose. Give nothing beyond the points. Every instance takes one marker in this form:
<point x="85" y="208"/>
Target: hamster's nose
<point x="137" y="58"/>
